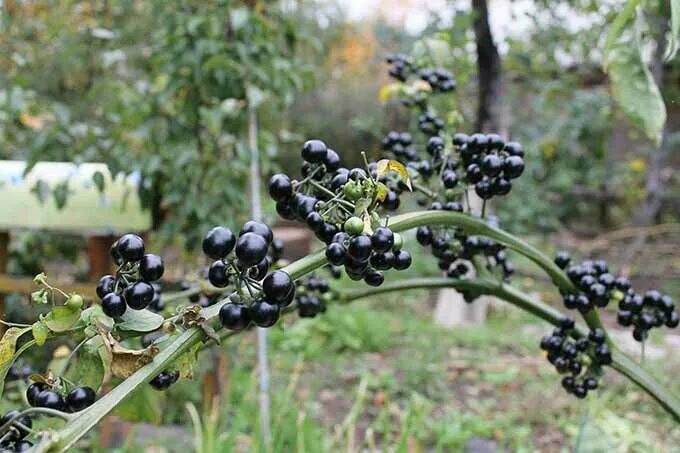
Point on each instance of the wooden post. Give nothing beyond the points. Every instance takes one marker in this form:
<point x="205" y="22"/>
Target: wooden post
<point x="4" y="245"/>
<point x="98" y="256"/>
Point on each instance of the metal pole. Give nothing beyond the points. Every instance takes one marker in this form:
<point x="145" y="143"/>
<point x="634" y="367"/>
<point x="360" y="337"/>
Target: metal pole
<point x="256" y="213"/>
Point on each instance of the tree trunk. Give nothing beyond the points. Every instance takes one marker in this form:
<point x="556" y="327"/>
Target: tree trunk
<point x="488" y="71"/>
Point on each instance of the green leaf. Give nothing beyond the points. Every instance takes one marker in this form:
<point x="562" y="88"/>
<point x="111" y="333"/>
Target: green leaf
<point x="619" y="23"/>
<point x="62" y="318"/>
<point x="89" y="369"/>
<point x="633" y="87"/>
<point x="40" y="332"/>
<point x="143" y="404"/>
<point x="140" y="321"/>
<point x="674" y="38"/>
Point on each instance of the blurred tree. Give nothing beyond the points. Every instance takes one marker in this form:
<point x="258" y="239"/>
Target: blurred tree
<point x="157" y="87"/>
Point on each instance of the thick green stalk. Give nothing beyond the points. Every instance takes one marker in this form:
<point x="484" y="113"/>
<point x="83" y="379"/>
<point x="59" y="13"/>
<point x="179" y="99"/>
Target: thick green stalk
<point x="87" y="419"/>
<point x="620" y="361"/>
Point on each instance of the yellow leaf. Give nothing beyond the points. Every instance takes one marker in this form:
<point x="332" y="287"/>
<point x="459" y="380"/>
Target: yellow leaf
<point x="389" y="91"/>
<point x="385" y="165"/>
<point x="36" y="122"/>
<point x="638" y="165"/>
<point x="421" y="85"/>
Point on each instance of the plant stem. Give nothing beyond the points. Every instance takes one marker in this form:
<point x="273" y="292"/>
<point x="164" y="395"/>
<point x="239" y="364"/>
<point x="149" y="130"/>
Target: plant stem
<point x="620" y="361"/>
<point x="85" y="420"/>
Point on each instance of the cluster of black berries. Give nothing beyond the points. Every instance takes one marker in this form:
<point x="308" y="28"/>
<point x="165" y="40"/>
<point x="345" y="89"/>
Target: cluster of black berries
<point x="578" y="358"/>
<point x="312" y="293"/>
<point x="365" y="256"/>
<point x="278" y="291"/>
<point x="132" y="286"/>
<point x="250" y="260"/>
<point x="40" y="394"/>
<point x="489" y="163"/>
<point x="597" y="287"/>
<point x="164" y="380"/>
<point x="454" y="250"/>
<point x="401" y="66"/>
<point x="645" y="311"/>
<point x="439" y="79"/>
<point x="14" y="440"/>
<point x="429" y="124"/>
<point x="401" y="145"/>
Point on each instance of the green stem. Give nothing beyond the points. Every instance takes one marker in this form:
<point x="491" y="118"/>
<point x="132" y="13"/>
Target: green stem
<point x="620" y="361"/>
<point x="88" y="418"/>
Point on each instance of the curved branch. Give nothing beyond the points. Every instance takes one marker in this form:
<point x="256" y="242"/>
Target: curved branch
<point x="620" y="361"/>
<point x="88" y="418"/>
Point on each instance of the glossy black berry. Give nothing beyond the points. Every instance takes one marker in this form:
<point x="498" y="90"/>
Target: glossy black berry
<point x="277" y="286"/>
<point x="382" y="261"/>
<point x="424" y="235"/>
<point x="106" y="285"/>
<point x="492" y="165"/>
<point x="139" y="295"/>
<point x="514" y="149"/>
<point x="251" y="248"/>
<point x="402" y="260"/>
<point x="360" y="248"/>
<point x="280" y="187"/>
<point x="151" y="267"/>
<point x="513" y="167"/>
<point x="597" y="336"/>
<point x="22" y="445"/>
<point x="374" y="278"/>
<point x="80" y="398"/>
<point x="264" y="313"/>
<point x="382" y="239"/>
<point x="234" y="316"/>
<point x="483" y="189"/>
<point x="314" y="151"/>
<point x="164" y="380"/>
<point x="218" y="242"/>
<point x="130" y="247"/>
<point x="391" y="201"/>
<point x="562" y="259"/>
<point x="113" y="305"/>
<point x="332" y="160"/>
<point x="259" y="228"/>
<point x="217" y="274"/>
<point x="500" y="186"/>
<point x="314" y="221"/>
<point x="449" y="179"/>
<point x="33" y="391"/>
<point x="335" y="253"/>
<point x="50" y="400"/>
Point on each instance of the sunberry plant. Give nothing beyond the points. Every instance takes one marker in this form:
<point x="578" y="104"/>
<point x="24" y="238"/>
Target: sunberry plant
<point x="142" y="337"/>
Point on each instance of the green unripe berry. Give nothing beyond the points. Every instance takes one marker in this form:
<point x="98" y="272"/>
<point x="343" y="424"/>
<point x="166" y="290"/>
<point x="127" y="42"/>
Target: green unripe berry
<point x="352" y="191"/>
<point x="354" y="225"/>
<point x="74" y="302"/>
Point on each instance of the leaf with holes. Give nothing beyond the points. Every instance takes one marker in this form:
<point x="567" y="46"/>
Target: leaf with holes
<point x="124" y="361"/>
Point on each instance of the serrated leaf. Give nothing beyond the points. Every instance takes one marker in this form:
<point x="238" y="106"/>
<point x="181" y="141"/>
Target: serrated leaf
<point x="88" y="368"/>
<point x="62" y="318"/>
<point x="140" y="321"/>
<point x="389" y="92"/>
<point x="144" y="404"/>
<point x="633" y="86"/>
<point x="386" y="165"/>
<point x="40" y="332"/>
